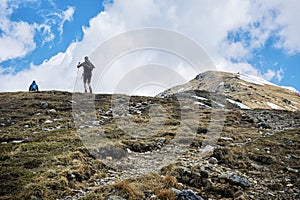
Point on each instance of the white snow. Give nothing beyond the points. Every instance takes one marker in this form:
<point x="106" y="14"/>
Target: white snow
<point x="201" y="104"/>
<point x="219" y="104"/>
<point x="290" y="89"/>
<point x="254" y="79"/>
<point x="241" y="105"/>
<point x="243" y="84"/>
<point x="200" y="98"/>
<point x="17" y="141"/>
<point x="274" y="106"/>
<point x="181" y="89"/>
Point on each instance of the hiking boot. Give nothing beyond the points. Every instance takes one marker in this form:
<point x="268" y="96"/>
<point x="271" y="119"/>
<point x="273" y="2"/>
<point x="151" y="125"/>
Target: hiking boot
<point x="90" y="89"/>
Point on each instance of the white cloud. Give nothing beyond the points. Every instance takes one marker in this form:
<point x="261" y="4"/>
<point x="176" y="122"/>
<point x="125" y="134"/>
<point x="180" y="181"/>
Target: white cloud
<point x="66" y="16"/>
<point x="206" y="22"/>
<point x="269" y="75"/>
<point x="280" y="74"/>
<point x="19" y="35"/>
<point x="288" y="18"/>
<point x="54" y="74"/>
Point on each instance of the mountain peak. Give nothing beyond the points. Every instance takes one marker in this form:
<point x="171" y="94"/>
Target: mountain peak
<point x="243" y="90"/>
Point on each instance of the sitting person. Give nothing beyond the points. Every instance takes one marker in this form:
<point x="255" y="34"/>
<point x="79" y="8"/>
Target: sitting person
<point x="33" y="87"/>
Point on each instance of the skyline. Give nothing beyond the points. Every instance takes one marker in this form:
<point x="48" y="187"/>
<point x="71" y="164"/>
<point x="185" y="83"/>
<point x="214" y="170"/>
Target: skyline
<point x="43" y="41"/>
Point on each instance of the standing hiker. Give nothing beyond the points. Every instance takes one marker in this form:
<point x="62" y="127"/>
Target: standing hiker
<point x="33" y="87"/>
<point x="87" y="73"/>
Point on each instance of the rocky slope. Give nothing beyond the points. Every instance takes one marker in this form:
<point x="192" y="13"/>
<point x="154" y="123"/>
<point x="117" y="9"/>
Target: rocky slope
<point x="254" y="153"/>
<point x="244" y="90"/>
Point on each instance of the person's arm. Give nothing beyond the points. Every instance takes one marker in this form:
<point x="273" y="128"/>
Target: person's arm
<point x="30" y="88"/>
<point x="79" y="64"/>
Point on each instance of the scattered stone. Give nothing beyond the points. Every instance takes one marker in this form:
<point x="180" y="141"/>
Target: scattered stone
<point x="109" y="158"/>
<point x="236" y="180"/>
<point x="186" y="195"/>
<point x="267" y="149"/>
<point x="51" y="111"/>
<point x="264" y="125"/>
<point x="201" y="130"/>
<point x="48" y="121"/>
<point x="17" y="141"/>
<point x="44" y="105"/>
<point x="256" y="166"/>
<point x="213" y="160"/>
<point x="240" y="195"/>
<point x="292" y="170"/>
<point x="204" y="174"/>
<point x="128" y="150"/>
<point x="162" y="140"/>
<point x="111" y="151"/>
<point x="227" y="139"/>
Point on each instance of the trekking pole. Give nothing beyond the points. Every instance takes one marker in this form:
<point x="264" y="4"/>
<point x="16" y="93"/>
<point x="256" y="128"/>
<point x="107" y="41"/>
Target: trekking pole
<point x="76" y="78"/>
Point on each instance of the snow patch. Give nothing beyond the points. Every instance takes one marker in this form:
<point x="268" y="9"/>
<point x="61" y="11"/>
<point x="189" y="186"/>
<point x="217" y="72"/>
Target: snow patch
<point x="274" y="106"/>
<point x="243" y="84"/>
<point x="290" y="89"/>
<point x="241" y="105"/>
<point x="254" y="79"/>
<point x="200" y="98"/>
<point x="219" y="104"/>
<point x="180" y="90"/>
<point x="201" y="104"/>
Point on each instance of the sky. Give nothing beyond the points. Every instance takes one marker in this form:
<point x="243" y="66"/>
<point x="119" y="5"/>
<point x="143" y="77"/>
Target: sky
<point x="43" y="40"/>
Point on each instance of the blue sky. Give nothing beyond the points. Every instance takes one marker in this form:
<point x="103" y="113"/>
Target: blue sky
<point x="44" y="40"/>
<point x="49" y="13"/>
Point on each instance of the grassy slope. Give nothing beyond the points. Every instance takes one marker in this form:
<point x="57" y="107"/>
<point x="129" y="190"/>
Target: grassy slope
<point x="50" y="164"/>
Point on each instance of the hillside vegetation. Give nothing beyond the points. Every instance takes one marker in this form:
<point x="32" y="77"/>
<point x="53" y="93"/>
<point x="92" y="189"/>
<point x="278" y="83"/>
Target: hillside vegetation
<point x="43" y="156"/>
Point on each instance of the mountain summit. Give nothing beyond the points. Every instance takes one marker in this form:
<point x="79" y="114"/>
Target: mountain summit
<point x="245" y="91"/>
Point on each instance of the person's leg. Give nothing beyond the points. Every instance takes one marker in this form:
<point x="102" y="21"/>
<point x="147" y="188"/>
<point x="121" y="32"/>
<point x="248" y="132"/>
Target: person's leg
<point x="90" y="87"/>
<point x="84" y="83"/>
<point x="89" y="82"/>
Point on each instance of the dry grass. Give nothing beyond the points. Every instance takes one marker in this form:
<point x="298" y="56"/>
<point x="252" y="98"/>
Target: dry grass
<point x="165" y="194"/>
<point x="52" y="164"/>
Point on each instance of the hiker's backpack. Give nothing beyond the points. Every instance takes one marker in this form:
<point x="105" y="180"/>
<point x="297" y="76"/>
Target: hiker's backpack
<point x="89" y="65"/>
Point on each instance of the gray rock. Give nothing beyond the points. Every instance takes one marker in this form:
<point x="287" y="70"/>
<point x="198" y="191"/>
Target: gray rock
<point x="237" y="180"/>
<point x="264" y="125"/>
<point x="204" y="174"/>
<point x="227" y="139"/>
<point x="44" y="105"/>
<point x="239" y="195"/>
<point x="292" y="170"/>
<point x="187" y="195"/>
<point x="213" y="160"/>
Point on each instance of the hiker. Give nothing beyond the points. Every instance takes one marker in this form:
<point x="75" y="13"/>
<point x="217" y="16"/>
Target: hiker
<point x="87" y="73"/>
<point x="33" y="87"/>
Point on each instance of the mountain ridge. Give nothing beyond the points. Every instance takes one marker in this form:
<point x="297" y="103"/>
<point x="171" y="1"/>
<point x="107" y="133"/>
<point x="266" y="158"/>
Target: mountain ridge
<point x="251" y="91"/>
